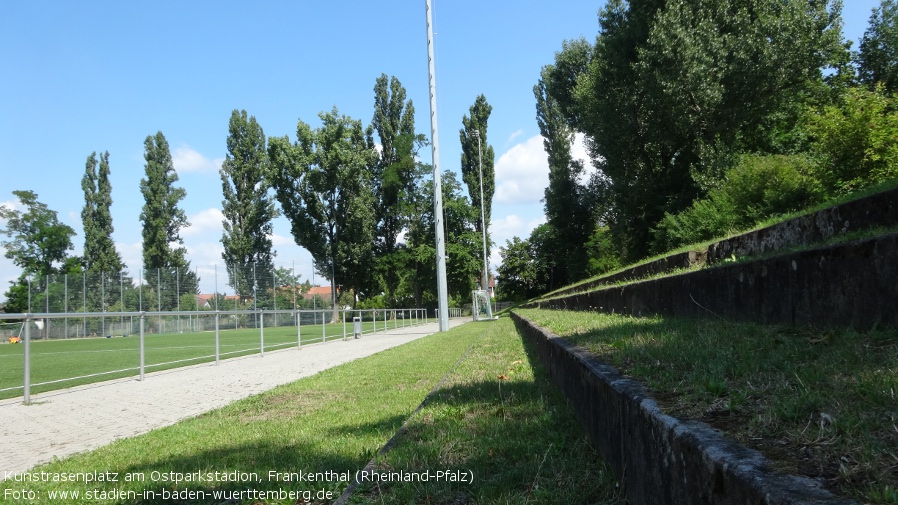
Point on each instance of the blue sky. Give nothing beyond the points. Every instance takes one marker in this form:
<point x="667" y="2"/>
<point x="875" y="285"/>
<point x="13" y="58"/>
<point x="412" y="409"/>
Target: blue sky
<point x="78" y="77"/>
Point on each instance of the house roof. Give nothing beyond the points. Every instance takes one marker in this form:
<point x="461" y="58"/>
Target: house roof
<point x="322" y="291"/>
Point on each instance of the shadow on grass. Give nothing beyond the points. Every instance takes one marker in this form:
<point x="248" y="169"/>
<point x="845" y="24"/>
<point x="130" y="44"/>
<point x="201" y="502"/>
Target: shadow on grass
<point x="502" y="423"/>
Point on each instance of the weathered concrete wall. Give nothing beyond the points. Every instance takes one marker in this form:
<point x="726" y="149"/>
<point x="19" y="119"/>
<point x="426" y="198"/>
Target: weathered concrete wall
<point x="852" y="284"/>
<point x="665" y="264"/>
<point x="660" y="459"/>
<point x="880" y="209"/>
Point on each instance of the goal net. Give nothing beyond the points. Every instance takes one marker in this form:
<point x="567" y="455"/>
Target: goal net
<point x="11" y="330"/>
<point x="481" y="307"/>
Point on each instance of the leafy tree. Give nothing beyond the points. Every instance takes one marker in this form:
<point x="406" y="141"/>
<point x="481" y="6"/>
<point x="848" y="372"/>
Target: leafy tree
<point x="566" y="202"/>
<point x="247" y="207"/>
<point x="162" y="221"/>
<point x="395" y="176"/>
<point x="287" y="288"/>
<point x="38" y="244"/>
<point x="855" y="140"/>
<point x="323" y="183"/>
<point x="530" y="267"/>
<point x="473" y="152"/>
<point x="517" y="273"/>
<point x="878" y="56"/>
<point x="464" y="260"/>
<point x="100" y="254"/>
<point x="665" y="124"/>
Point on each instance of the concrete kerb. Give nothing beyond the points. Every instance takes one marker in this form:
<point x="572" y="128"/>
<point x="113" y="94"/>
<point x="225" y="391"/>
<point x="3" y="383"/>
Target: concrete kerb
<point x="65" y="422"/>
<point x="658" y="458"/>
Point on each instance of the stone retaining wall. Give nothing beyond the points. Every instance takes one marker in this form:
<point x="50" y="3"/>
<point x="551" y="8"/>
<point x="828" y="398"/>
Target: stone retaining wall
<point x="877" y="210"/>
<point x="851" y="284"/>
<point x="658" y="458"/>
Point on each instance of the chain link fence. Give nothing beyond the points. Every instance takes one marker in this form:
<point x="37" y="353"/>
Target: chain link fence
<point x="179" y="290"/>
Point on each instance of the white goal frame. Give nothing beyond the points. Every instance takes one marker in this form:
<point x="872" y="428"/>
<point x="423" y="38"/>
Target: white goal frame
<point x="482" y="307"/>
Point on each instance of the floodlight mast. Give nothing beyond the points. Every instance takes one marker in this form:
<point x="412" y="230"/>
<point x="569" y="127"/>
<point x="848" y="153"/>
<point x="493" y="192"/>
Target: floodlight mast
<point x="442" y="289"/>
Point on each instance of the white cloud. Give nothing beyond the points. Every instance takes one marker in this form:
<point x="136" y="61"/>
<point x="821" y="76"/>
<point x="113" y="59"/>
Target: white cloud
<point x="205" y="254"/>
<point x="511" y="226"/>
<point x="579" y="152"/>
<point x="515" y="135"/>
<point x="280" y="240"/>
<point x="132" y="255"/>
<point x="504" y="229"/>
<point x="522" y="173"/>
<point x="204" y="222"/>
<point x="186" y="159"/>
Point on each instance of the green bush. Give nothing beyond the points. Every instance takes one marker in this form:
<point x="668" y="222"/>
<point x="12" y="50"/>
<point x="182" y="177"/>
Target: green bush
<point x="758" y="187"/>
<point x="855" y="141"/>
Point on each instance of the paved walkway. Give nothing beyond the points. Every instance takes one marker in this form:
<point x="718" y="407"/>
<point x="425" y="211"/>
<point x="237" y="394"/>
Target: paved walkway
<point x="65" y="422"/>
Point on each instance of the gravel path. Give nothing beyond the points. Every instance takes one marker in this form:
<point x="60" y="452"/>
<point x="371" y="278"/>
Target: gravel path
<point x="65" y="422"/>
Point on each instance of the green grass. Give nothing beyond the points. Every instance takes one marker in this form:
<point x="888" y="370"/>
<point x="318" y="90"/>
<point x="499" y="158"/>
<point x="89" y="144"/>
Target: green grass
<point x="820" y="404"/>
<point x="496" y="417"/>
<point x="56" y="362"/>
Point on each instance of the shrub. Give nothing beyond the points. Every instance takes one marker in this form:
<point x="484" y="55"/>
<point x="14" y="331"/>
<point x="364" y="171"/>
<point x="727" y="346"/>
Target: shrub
<point x="855" y="141"/>
<point x="758" y="187"/>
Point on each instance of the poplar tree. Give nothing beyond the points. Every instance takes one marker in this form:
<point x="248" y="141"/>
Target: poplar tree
<point x="247" y="207"/>
<point x="395" y="176"/>
<point x="162" y="221"/>
<point x="565" y="202"/>
<point x="99" y="249"/>
<point x="471" y="158"/>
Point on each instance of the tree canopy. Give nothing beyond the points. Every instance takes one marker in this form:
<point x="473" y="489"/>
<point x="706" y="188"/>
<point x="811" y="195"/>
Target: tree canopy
<point x="162" y="221"/>
<point x="672" y="91"/>
<point x="100" y="254"/>
<point x="323" y="183"/>
<point x="878" y="56"/>
<point x="247" y="207"/>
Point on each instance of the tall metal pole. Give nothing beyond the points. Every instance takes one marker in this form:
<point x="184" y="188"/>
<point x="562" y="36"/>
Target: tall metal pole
<point x="442" y="289"/>
<point x="485" y="280"/>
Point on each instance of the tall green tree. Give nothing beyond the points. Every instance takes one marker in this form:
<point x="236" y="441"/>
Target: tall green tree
<point x="395" y="175"/>
<point x="100" y="254"/>
<point x="471" y="157"/>
<point x="324" y="185"/>
<point x="247" y="207"/>
<point x="566" y="201"/>
<point x="878" y="56"/>
<point x="38" y="243"/>
<point x="675" y="89"/>
<point x="463" y="242"/>
<point x="166" y="268"/>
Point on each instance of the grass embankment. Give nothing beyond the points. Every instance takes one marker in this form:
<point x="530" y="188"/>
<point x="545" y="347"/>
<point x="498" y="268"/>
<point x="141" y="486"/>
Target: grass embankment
<point x="819" y="404"/>
<point x="54" y="361"/>
<point x="496" y="419"/>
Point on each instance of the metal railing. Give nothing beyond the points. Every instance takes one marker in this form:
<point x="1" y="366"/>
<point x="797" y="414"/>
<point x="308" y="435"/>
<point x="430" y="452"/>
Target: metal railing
<point x="374" y="321"/>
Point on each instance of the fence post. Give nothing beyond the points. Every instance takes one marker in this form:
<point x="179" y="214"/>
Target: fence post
<point x="298" y="315"/>
<point x="262" y="333"/>
<point x="217" y="317"/>
<point x="26" y="385"/>
<point x="323" y="329"/>
<point x="142" y="356"/>
<point x="344" y="324"/>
